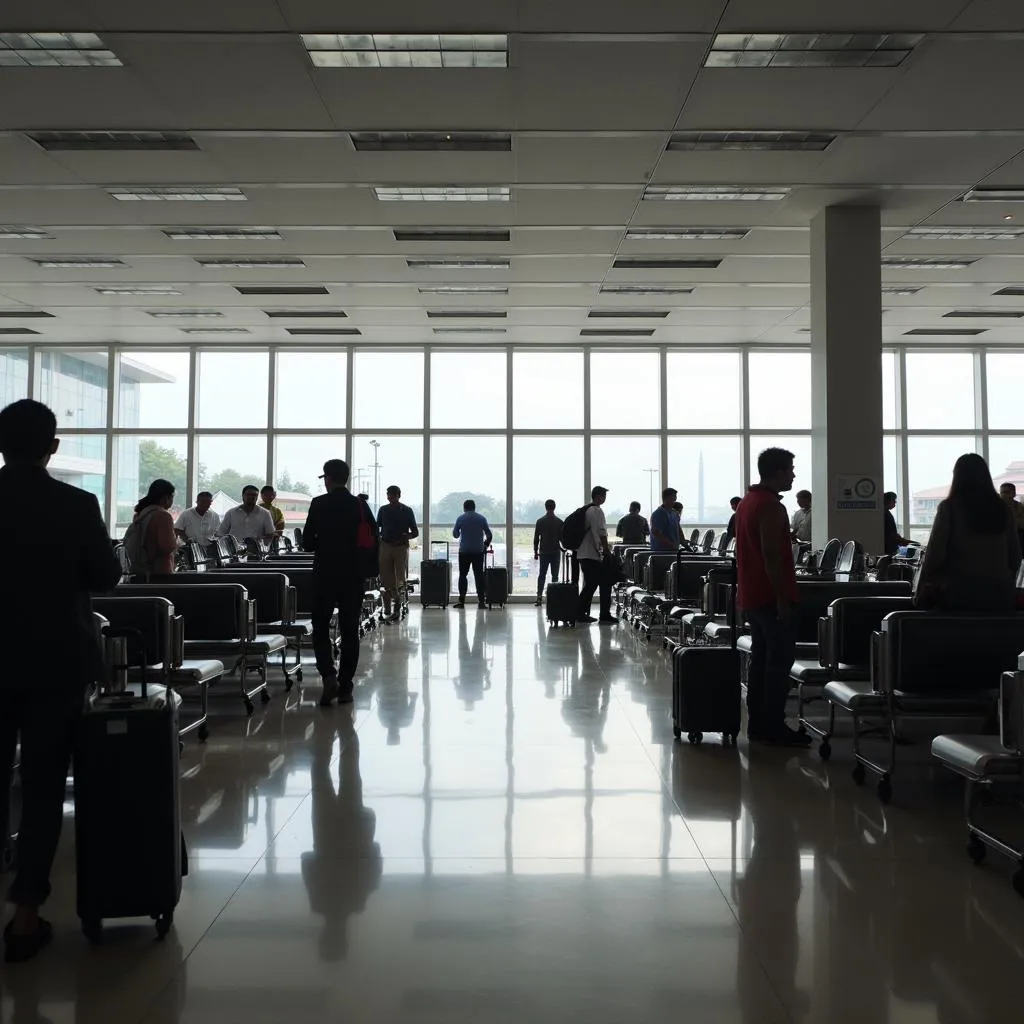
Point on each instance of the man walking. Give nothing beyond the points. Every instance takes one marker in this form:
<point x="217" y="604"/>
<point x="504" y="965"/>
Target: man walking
<point x="766" y="592"/>
<point x="397" y="526"/>
<point x="546" y="547"/>
<point x="341" y="534"/>
<point x="474" y="536"/>
<point x="665" y="523"/>
<point x="633" y="528"/>
<point x="591" y="555"/>
<point x="44" y="607"/>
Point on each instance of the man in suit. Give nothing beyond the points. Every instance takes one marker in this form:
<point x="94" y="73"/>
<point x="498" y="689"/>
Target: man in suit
<point x="44" y="606"/>
<point x="341" y="533"/>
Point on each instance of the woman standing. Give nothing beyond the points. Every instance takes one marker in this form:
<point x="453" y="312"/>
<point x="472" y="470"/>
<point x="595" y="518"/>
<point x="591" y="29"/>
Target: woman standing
<point x="973" y="553"/>
<point x="150" y="542"/>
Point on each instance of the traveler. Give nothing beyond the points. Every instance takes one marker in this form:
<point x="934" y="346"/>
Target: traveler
<point x="800" y="525"/>
<point x="766" y="591"/>
<point x="248" y="521"/>
<point x="340" y="532"/>
<point x="199" y="524"/>
<point x="44" y="607"/>
<point x="474" y="537"/>
<point x="591" y="555"/>
<point x="150" y="542"/>
<point x="973" y="552"/>
<point x="397" y="526"/>
<point x="1008" y="492"/>
<point x="892" y="541"/>
<point x="730" y="530"/>
<point x="267" y="498"/>
<point x="547" y="549"/>
<point x="633" y="528"/>
<point x="665" y="523"/>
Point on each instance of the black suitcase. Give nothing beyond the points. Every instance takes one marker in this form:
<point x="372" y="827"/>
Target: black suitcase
<point x="129" y="850"/>
<point x="562" y="600"/>
<point x="436" y="578"/>
<point x="495" y="583"/>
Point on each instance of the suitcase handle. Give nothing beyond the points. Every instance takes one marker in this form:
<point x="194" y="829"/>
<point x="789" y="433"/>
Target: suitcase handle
<point x="129" y="634"/>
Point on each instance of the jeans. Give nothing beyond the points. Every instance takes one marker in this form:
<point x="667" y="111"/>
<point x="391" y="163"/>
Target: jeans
<point x="45" y="721"/>
<point x="548" y="560"/>
<point x="773" y="648"/>
<point x="346" y="594"/>
<point x="474" y="560"/>
<point x="595" y="577"/>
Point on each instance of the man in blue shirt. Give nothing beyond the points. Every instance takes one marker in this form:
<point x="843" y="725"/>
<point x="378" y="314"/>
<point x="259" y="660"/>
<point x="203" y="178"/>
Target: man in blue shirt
<point x="474" y="537"/>
<point x="665" y="523"/>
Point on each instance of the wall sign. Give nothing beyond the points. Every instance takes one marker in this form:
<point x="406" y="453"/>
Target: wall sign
<point x="857" y="492"/>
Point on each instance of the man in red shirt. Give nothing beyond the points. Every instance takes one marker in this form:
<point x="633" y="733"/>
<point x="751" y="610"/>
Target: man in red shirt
<point x="766" y="592"/>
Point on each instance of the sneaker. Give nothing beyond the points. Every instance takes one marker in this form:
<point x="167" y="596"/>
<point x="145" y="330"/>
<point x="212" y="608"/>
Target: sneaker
<point x="330" y="691"/>
<point x="346" y="692"/>
<point x="537" y="603"/>
<point x="586" y="618"/>
<point x="459" y="604"/>
<point x="19" y="948"/>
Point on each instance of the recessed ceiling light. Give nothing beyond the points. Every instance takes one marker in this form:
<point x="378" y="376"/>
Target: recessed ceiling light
<point x="467" y="314"/>
<point x="993" y="195"/>
<point x="179" y="194"/>
<point x="667" y="263"/>
<point x="483" y="263"/>
<point x="387" y="50"/>
<point x="811" y="49"/>
<point x="687" y="234"/>
<point x="451" y="235"/>
<point x="645" y="289"/>
<point x="17" y="330"/>
<point x="468" y="330"/>
<point x="186" y="314"/>
<point x="137" y="289"/>
<point x="302" y="332"/>
<point x="21" y="232"/>
<point x="952" y="234"/>
<point x="77" y="262"/>
<point x="462" y="289"/>
<point x="443" y="193"/>
<point x="281" y="289"/>
<point x="617" y="332"/>
<point x="627" y="314"/>
<point x="108" y="141"/>
<point x="214" y="330"/>
<point x="26" y="314"/>
<point x="313" y="313"/>
<point x="222" y="234"/>
<point x="761" y="140"/>
<point x="55" y="49"/>
<point x="952" y="332"/>
<point x="901" y="289"/>
<point x="925" y="263"/>
<point x="717" y="193"/>
<point x="432" y="142"/>
<point x="239" y="263"/>
<point x="989" y="314"/>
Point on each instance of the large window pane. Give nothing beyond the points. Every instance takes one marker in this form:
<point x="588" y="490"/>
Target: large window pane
<point x="940" y="391"/>
<point x="707" y="472"/>
<point x="74" y="386"/>
<point x="547" y="390"/>
<point x="625" y="391"/>
<point x="780" y="390"/>
<point x="233" y="389"/>
<point x="930" y="469"/>
<point x="890" y="394"/>
<point x="441" y="535"/>
<point x="81" y="460"/>
<point x="703" y="390"/>
<point x="1004" y="372"/>
<point x="399" y="461"/>
<point x="311" y="390"/>
<point x="224" y="465"/>
<point x="153" y="389"/>
<point x="630" y="468"/>
<point x="13" y="376"/>
<point x="298" y="463"/>
<point x="468" y="389"/>
<point x="140" y="461"/>
<point x="387" y="390"/>
<point x="801" y="449"/>
<point x="1006" y="460"/>
<point x="467" y="467"/>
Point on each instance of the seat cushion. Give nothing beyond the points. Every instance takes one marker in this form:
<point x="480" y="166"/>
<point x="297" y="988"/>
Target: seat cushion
<point x="855" y="695"/>
<point x="745" y="643"/>
<point x="809" y="673"/>
<point x="267" y="643"/>
<point x="977" y="756"/>
<point x="196" y="670"/>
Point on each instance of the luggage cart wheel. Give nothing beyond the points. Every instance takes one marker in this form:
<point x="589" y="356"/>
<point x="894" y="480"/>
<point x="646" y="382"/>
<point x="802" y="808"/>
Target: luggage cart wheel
<point x="265" y="696"/>
<point x="92" y="929"/>
<point x="975" y="849"/>
<point x="676" y="731"/>
<point x="249" y="707"/>
<point x="884" y="790"/>
<point x="824" y="750"/>
<point x="1018" y="881"/>
<point x="203" y="733"/>
<point x="858" y="774"/>
<point x="696" y="738"/>
<point x="163" y="924"/>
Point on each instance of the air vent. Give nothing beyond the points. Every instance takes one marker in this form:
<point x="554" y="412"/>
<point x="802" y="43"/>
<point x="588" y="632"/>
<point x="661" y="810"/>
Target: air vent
<point x="467" y="314"/>
<point x="483" y="263"/>
<point x="468" y="330"/>
<point x="416" y="235"/>
<point x="110" y="141"/>
<point x="948" y="332"/>
<point x="668" y="263"/>
<point x="432" y="142"/>
<point x="988" y="314"/>
<point x="645" y="289"/>
<point x="307" y="314"/>
<point x="1010" y="289"/>
<point x="770" y="141"/>
<point x="273" y="289"/>
<point x="993" y="195"/>
<point x="617" y="332"/>
<point x="627" y="314"/>
<point x="926" y="263"/>
<point x="300" y="332"/>
<point x="244" y="263"/>
<point x="25" y="314"/>
<point x="78" y="262"/>
<point x="17" y="330"/>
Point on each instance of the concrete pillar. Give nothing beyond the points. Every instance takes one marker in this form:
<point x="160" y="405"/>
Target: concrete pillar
<point x="846" y="376"/>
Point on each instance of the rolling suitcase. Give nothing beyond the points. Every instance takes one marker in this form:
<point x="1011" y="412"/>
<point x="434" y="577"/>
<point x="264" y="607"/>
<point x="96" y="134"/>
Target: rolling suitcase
<point x="129" y="850"/>
<point x="495" y="582"/>
<point x="436" y="577"/>
<point x="562" y="600"/>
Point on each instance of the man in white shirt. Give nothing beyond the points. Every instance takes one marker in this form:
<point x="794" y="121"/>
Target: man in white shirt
<point x="591" y="554"/>
<point x="199" y="524"/>
<point x="248" y="521"/>
<point x="801" y="522"/>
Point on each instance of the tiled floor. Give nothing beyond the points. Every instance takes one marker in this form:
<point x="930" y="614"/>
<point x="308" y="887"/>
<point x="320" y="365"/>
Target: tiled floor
<point x="504" y="830"/>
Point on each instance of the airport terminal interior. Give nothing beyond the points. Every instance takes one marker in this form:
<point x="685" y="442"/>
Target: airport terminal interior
<point x="507" y="251"/>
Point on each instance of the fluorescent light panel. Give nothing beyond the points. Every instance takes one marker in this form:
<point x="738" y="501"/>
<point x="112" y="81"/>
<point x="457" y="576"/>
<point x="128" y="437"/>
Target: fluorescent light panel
<point x="925" y="263"/>
<point x="178" y="194"/>
<point x="391" y="50"/>
<point x="627" y="314"/>
<point x="1010" y="289"/>
<point x="667" y="263"/>
<point x="952" y="332"/>
<point x="55" y="50"/>
<point x="301" y="332"/>
<point x="766" y="141"/>
<point x="467" y="314"/>
<point x="687" y="234"/>
<point x="717" y="193"/>
<point x="993" y="195"/>
<point x="483" y="263"/>
<point x="281" y="289"/>
<point x="238" y="263"/>
<point x="23" y="232"/>
<point x="443" y="193"/>
<point x="138" y="289"/>
<point x="432" y="142"/>
<point x="185" y="314"/>
<point x="468" y="330"/>
<point x="25" y="314"/>
<point x="215" y="330"/>
<point x="812" y="49"/>
<point x="451" y="235"/>
<point x="77" y="262"/>
<point x="309" y="314"/>
<point x="617" y="332"/>
<point x="113" y="141"/>
<point x="645" y="289"/>
<point x="991" y="314"/>
<point x="953" y="234"/>
<point x="17" y="330"/>
<point x="222" y="234"/>
<point x="462" y="289"/>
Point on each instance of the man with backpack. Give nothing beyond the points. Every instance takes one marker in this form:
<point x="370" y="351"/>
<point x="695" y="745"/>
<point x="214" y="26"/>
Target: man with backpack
<point x="586" y="533"/>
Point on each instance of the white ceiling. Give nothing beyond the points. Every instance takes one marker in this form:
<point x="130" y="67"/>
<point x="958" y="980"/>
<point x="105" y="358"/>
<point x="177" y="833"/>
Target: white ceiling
<point x="592" y="92"/>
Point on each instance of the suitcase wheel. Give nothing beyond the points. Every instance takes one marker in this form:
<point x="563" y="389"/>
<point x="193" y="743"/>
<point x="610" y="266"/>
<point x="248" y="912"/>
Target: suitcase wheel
<point x="92" y="929"/>
<point x="696" y="738"/>
<point x="163" y="924"/>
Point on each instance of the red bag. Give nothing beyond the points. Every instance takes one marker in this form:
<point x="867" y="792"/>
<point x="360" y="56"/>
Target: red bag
<point x="366" y="532"/>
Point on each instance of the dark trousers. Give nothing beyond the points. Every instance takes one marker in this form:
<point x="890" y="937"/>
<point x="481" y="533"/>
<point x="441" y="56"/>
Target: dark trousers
<point x="45" y="722"/>
<point x="548" y="560"/>
<point x="773" y="648"/>
<point x="346" y="594"/>
<point x="595" y="578"/>
<point x="476" y="562"/>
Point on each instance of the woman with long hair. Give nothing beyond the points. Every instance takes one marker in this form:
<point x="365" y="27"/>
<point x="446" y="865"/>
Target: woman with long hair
<point x="154" y="544"/>
<point x="973" y="553"/>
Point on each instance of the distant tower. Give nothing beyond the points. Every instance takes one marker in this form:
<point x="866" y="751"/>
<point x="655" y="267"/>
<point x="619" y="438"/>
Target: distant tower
<point x="700" y="487"/>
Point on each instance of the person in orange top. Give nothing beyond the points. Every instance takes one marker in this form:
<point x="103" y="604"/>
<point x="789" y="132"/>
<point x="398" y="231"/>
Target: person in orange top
<point x="157" y="542"/>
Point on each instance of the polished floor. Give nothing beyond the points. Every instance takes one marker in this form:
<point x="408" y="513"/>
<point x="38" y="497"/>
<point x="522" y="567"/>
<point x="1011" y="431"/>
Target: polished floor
<point x="503" y="829"/>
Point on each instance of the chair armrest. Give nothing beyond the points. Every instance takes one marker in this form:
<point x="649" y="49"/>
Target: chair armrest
<point x="250" y="619"/>
<point x="824" y="642"/>
<point x="877" y="668"/>
<point x="177" y="652"/>
<point x="291" y="605"/>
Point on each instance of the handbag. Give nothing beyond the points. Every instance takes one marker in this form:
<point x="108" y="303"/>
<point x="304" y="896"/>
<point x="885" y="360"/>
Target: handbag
<point x="366" y="539"/>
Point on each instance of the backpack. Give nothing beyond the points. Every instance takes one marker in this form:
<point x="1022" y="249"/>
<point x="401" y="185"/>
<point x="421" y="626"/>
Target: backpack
<point x="134" y="542"/>
<point x="574" y="529"/>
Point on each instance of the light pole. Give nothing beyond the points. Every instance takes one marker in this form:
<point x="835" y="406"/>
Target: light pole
<point x="652" y="472"/>
<point x="376" y="467"/>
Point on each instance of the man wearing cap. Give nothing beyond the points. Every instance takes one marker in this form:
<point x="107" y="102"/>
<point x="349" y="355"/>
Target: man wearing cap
<point x="342" y="535"/>
<point x="591" y="555"/>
